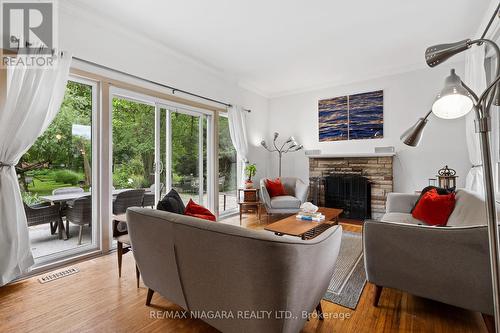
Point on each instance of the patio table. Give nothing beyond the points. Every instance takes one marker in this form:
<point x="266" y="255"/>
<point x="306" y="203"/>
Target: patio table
<point x="63" y="198"/>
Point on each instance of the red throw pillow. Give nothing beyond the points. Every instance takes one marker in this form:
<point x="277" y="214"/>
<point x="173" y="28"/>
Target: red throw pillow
<point x="275" y="187"/>
<point x="193" y="209"/>
<point x="433" y="208"/>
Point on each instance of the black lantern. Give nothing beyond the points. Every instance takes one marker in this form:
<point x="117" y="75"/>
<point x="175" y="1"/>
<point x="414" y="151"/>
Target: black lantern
<point x="447" y="178"/>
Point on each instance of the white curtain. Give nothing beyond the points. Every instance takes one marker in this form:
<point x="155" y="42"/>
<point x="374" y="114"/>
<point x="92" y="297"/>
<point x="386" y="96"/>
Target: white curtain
<point x="33" y="100"/>
<point x="475" y="78"/>
<point x="238" y="132"/>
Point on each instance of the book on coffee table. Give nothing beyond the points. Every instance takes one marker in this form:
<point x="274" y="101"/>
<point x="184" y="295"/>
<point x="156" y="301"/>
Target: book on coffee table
<point x="293" y="227"/>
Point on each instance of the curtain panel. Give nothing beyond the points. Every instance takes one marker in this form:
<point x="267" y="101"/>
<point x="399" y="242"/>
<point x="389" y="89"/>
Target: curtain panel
<point x="475" y="78"/>
<point x="33" y="100"/>
<point x="238" y="132"/>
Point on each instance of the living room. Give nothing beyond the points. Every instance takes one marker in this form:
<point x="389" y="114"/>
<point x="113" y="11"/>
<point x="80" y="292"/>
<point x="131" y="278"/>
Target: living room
<point x="338" y="177"/>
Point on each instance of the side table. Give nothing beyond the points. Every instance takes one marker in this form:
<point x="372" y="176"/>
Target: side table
<point x="249" y="199"/>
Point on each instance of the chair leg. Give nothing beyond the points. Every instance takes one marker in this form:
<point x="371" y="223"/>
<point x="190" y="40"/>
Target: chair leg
<point x="376" y="296"/>
<point x="137" y="275"/>
<point x="80" y="235"/>
<point x="319" y="310"/>
<point x="489" y="321"/>
<point x="53" y="227"/>
<point x="150" y="296"/>
<point x="63" y="234"/>
<point x="119" y="252"/>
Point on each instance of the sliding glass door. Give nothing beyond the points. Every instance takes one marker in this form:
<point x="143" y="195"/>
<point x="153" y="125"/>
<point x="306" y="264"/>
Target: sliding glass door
<point x="228" y="169"/>
<point x="186" y="161"/>
<point x="133" y="143"/>
<point x="56" y="177"/>
<point x="157" y="147"/>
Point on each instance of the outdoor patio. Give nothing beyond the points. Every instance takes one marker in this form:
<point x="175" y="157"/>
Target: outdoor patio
<point x="43" y="243"/>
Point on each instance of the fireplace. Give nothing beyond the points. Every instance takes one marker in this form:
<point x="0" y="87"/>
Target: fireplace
<point x="375" y="168"/>
<point x="349" y="192"/>
<point x="352" y="193"/>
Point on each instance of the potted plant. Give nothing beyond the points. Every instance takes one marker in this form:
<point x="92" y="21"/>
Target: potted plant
<point x="250" y="171"/>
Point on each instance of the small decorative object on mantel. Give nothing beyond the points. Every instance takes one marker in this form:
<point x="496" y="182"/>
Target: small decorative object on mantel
<point x="447" y="178"/>
<point x="290" y="145"/>
<point x="250" y="171"/>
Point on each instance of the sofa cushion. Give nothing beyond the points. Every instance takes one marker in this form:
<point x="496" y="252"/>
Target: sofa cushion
<point x="439" y="190"/>
<point x="195" y="210"/>
<point x="470" y="210"/>
<point x="275" y="187"/>
<point x="285" y="201"/>
<point x="433" y="208"/>
<point x="172" y="203"/>
<point x="289" y="184"/>
<point x="401" y="218"/>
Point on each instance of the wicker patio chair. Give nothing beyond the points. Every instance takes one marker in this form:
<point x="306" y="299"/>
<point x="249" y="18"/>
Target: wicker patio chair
<point x="126" y="199"/>
<point x="67" y="190"/>
<point x="42" y="214"/>
<point x="79" y="213"/>
<point x="149" y="198"/>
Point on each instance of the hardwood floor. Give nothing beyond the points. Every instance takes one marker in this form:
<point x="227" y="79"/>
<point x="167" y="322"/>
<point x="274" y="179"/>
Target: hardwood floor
<point x="96" y="300"/>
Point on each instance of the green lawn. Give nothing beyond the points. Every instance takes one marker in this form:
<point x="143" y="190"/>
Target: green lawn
<point x="45" y="185"/>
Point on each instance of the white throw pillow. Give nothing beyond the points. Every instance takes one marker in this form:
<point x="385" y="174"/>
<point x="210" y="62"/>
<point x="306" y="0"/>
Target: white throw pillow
<point x="470" y="209"/>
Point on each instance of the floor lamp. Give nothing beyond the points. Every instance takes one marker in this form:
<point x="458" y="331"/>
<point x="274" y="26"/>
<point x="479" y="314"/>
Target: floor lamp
<point x="454" y="101"/>
<point x="290" y="145"/>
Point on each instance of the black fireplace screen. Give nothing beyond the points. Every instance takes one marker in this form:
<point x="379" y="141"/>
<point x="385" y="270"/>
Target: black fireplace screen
<point x="352" y="193"/>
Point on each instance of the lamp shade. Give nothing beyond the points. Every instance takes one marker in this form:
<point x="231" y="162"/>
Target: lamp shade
<point x="412" y="136"/>
<point x="454" y="101"/>
<point x="437" y="54"/>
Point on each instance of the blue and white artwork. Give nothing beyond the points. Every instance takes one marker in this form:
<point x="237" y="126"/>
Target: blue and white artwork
<point x="359" y="116"/>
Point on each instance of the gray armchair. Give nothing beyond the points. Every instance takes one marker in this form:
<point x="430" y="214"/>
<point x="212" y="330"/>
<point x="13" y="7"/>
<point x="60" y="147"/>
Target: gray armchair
<point x="296" y="191"/>
<point x="447" y="264"/>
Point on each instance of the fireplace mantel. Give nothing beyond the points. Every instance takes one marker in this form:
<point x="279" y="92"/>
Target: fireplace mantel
<point x="343" y="155"/>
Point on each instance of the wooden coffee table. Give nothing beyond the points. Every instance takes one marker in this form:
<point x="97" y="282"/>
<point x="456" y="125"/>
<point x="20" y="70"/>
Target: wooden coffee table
<point x="305" y="229"/>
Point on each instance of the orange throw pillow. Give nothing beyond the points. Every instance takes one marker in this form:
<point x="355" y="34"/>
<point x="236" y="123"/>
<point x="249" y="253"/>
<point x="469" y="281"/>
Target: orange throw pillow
<point x="275" y="187"/>
<point x="195" y="210"/>
<point x="433" y="208"/>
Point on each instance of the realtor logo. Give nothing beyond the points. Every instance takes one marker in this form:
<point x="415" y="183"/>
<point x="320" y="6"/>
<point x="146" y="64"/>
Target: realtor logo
<point x="28" y="32"/>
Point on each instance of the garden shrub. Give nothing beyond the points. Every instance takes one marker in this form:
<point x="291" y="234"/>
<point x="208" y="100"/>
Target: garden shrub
<point x="67" y="177"/>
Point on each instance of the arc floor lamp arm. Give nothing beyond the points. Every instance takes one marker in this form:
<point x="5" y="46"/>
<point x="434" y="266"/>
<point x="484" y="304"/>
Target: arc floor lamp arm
<point x="492" y="85"/>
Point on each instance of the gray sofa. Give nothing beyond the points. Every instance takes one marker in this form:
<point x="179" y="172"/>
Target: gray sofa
<point x="296" y="191"/>
<point x="210" y="266"/>
<point x="447" y="264"/>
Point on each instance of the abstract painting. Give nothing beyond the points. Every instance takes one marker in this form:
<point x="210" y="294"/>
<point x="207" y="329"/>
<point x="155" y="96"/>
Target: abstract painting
<point x="333" y="115"/>
<point x="359" y="116"/>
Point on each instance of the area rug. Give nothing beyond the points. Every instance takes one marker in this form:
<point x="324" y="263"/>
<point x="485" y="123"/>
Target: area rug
<point x="349" y="276"/>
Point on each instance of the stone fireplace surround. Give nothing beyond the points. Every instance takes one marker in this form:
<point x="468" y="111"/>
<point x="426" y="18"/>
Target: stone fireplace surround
<point x="378" y="168"/>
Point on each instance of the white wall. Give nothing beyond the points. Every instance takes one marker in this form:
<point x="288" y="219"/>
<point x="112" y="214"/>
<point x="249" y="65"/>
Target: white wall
<point x="93" y="38"/>
<point x="407" y="97"/>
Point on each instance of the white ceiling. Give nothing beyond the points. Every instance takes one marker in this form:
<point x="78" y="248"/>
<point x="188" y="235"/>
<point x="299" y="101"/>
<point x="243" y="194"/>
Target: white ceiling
<point x="278" y="47"/>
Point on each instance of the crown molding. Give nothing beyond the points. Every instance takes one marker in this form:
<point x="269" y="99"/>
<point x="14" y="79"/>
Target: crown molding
<point x="360" y="78"/>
